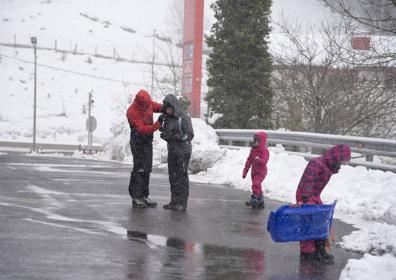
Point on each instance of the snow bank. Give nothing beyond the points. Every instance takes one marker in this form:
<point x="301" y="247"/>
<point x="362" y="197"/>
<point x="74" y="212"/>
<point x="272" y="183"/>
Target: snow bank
<point x="205" y="150"/>
<point x="376" y="239"/>
<point x="370" y="267"/>
<point x="117" y="147"/>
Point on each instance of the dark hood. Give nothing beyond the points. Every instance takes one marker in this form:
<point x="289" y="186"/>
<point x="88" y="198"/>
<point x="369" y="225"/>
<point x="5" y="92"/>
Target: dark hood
<point x="172" y="100"/>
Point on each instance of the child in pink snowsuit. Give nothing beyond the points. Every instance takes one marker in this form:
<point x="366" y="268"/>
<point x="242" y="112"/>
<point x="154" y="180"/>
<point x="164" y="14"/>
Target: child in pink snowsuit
<point x="257" y="159"/>
<point x="316" y="175"/>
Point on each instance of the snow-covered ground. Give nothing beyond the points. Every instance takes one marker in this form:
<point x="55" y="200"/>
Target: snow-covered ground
<point x="366" y="198"/>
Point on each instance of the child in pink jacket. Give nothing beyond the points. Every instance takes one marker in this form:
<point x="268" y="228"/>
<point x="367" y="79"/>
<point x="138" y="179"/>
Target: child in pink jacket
<point x="257" y="159"/>
<point x="316" y="175"/>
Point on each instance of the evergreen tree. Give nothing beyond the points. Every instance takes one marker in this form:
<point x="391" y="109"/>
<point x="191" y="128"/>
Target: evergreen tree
<point x="240" y="64"/>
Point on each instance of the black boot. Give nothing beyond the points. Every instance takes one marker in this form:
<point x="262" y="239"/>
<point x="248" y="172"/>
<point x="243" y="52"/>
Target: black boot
<point x="322" y="253"/>
<point x="260" y="202"/>
<point x="138" y="203"/>
<point x="309" y="256"/>
<point x="252" y="201"/>
<point x="149" y="202"/>
<point x="256" y="201"/>
<point x="168" y="206"/>
<point x="179" y="207"/>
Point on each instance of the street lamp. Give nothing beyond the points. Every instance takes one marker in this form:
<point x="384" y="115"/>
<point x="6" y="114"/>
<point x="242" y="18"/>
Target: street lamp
<point x="34" y="43"/>
<point x="152" y="65"/>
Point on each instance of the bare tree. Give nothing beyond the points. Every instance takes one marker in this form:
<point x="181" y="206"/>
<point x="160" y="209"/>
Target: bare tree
<point x="378" y="16"/>
<point x="167" y="53"/>
<point x="316" y="89"/>
<point x="175" y="20"/>
<point x="375" y="19"/>
<point x="171" y="73"/>
<point x="170" y="50"/>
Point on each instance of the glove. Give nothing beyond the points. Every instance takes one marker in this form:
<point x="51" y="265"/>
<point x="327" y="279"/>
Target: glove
<point x="164" y="136"/>
<point x="161" y="119"/>
<point x="295" y="205"/>
<point x="244" y="173"/>
<point x="305" y="199"/>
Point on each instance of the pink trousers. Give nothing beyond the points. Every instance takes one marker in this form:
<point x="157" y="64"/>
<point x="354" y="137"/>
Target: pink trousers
<point x="256" y="184"/>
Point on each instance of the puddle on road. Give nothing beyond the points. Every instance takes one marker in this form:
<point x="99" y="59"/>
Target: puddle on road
<point x="175" y="258"/>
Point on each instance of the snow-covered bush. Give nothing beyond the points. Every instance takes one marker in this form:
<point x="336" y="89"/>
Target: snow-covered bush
<point x="117" y="148"/>
<point x="205" y="149"/>
<point x="377" y="239"/>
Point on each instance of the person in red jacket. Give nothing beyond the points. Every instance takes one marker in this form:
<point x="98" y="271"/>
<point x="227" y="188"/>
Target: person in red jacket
<point x="314" y="179"/>
<point x="140" y="119"/>
<point x="257" y="159"/>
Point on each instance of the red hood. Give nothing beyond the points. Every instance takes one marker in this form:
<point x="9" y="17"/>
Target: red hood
<point x="263" y="139"/>
<point x="142" y="100"/>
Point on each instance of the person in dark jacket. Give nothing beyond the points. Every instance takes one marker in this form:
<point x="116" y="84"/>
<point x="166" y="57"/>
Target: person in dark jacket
<point x="314" y="179"/>
<point x="140" y="119"/>
<point x="178" y="132"/>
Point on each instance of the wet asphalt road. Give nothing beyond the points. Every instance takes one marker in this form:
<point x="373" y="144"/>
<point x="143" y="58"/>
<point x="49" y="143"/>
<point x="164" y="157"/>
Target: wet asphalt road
<point x="65" y="218"/>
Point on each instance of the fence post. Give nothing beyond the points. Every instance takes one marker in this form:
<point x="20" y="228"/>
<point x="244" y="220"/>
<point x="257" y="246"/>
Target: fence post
<point x="56" y="45"/>
<point x="14" y="40"/>
<point x="369" y="157"/>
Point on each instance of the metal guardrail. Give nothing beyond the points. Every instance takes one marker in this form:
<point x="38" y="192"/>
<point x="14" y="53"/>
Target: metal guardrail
<point x="365" y="146"/>
<point x="362" y="145"/>
<point x="46" y="147"/>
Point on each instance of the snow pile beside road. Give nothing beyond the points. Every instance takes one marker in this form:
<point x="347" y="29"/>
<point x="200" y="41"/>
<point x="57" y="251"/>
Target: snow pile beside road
<point x="370" y="267"/>
<point x="205" y="150"/>
<point x="376" y="239"/>
<point x="117" y="147"/>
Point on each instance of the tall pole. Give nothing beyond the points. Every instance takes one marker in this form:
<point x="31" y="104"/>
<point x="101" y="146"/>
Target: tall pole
<point x="89" y="117"/>
<point x="192" y="54"/>
<point x="152" y="65"/>
<point x="34" y="42"/>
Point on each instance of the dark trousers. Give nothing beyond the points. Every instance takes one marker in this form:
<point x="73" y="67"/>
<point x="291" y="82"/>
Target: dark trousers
<point x="178" y="161"/>
<point x="142" y="166"/>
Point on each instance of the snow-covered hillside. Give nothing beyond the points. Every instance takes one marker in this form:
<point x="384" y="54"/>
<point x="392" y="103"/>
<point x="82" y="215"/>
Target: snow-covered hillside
<point x="63" y="79"/>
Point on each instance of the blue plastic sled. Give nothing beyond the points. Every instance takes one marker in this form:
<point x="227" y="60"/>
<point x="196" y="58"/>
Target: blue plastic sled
<point x="308" y="222"/>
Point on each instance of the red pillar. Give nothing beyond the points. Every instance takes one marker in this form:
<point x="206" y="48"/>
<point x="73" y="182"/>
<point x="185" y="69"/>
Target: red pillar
<point x="192" y="54"/>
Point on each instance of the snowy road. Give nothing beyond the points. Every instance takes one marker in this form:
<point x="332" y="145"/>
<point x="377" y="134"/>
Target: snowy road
<point x="65" y="218"/>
